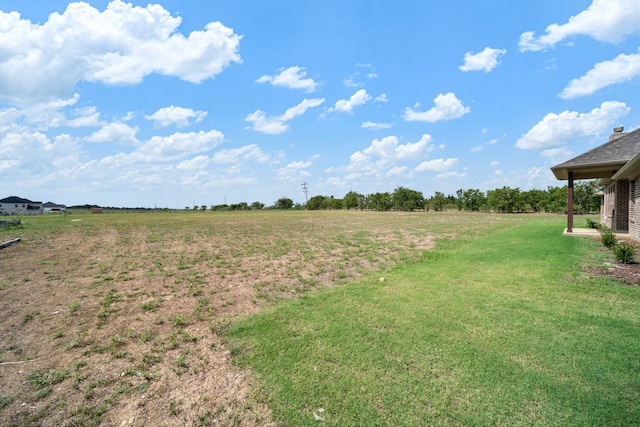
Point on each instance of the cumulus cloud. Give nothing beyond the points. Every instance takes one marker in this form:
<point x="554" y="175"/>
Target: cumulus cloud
<point x="436" y="165"/>
<point x="361" y="97"/>
<point x="278" y="124"/>
<point x="390" y="148"/>
<point x="619" y="70"/>
<point x="116" y="133"/>
<point x="292" y="77"/>
<point x="120" y="45"/>
<point x="556" y="130"/>
<point x="604" y="20"/>
<point x="446" y="107"/>
<point x="485" y="61"/>
<point x="178" y="116"/>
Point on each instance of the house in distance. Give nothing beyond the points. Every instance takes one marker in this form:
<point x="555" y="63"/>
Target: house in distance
<point x="14" y="205"/>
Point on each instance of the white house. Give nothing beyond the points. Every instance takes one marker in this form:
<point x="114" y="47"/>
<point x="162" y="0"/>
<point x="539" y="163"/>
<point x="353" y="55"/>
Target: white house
<point x="15" y="205"/>
<point x="51" y="207"/>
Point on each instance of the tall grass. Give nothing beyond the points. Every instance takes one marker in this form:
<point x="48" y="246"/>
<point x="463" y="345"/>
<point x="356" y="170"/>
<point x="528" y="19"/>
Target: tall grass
<point x="494" y="329"/>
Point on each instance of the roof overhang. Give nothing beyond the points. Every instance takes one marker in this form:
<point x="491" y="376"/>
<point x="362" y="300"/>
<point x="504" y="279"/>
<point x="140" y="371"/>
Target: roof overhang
<point x="588" y="171"/>
<point x="630" y="170"/>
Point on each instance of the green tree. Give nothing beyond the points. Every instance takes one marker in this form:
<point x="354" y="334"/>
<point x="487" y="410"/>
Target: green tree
<point x="379" y="201"/>
<point x="535" y="200"/>
<point x="470" y="200"/>
<point x="257" y="205"/>
<point x="585" y="199"/>
<point x="283" y="203"/>
<point x="353" y="200"/>
<point x="437" y="201"/>
<point x="506" y="199"/>
<point x="316" y="203"/>
<point x="556" y="200"/>
<point x="405" y="199"/>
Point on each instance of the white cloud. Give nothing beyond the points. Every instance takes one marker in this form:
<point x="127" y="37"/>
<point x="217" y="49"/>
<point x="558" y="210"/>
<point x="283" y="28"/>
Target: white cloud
<point x="376" y="126"/>
<point x="604" y="20"/>
<point x="556" y="130"/>
<point x="278" y="124"/>
<point x="436" y="165"/>
<point x="178" y="116"/>
<point x="197" y="163"/>
<point x="235" y="155"/>
<point x="295" y="169"/>
<point x="495" y="163"/>
<point x="292" y="77"/>
<point x="390" y="148"/>
<point x="485" y="61"/>
<point x="621" y="69"/>
<point x="446" y="107"/>
<point x="368" y="70"/>
<point x="115" y="133"/>
<point x="397" y="171"/>
<point x="120" y="45"/>
<point x="557" y="155"/>
<point x="178" y="145"/>
<point x="477" y="148"/>
<point x="450" y="175"/>
<point x="382" y="98"/>
<point x="361" y="97"/>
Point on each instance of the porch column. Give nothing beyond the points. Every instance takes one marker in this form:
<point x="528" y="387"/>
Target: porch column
<point x="570" y="203"/>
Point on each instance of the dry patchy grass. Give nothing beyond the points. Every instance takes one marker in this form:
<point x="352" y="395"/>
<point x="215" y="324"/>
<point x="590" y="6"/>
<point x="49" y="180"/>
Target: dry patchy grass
<point x="116" y="318"/>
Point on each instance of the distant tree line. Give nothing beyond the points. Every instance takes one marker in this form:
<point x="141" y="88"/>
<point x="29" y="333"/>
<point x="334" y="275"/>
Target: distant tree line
<point x="505" y="199"/>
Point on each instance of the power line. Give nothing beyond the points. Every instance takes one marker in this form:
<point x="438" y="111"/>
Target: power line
<point x="306" y="191"/>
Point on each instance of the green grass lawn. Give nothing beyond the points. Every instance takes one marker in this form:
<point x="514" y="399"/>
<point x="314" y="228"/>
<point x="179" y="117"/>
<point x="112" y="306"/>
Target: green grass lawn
<point x="495" y="329"/>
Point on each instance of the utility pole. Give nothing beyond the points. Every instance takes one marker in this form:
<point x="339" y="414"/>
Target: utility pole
<point x="306" y="190"/>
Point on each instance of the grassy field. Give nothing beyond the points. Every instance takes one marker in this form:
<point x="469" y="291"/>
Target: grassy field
<point x="497" y="330"/>
<point x="263" y="318"/>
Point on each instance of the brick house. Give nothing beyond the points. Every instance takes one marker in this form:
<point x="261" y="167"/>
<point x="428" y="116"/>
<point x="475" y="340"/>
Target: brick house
<point x="617" y="164"/>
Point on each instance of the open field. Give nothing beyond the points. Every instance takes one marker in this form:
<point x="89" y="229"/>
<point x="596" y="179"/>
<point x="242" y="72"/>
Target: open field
<point x="124" y="319"/>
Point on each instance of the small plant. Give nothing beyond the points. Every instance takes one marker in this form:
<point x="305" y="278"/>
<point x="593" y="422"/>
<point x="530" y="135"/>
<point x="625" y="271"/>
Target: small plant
<point x="27" y="317"/>
<point x="624" y="252"/>
<point x="47" y="378"/>
<point x="5" y="400"/>
<point x="179" y="321"/>
<point x="151" y="305"/>
<point x="608" y="238"/>
<point x="73" y="307"/>
<point x="146" y="335"/>
<point x="43" y="392"/>
<point x="593" y="224"/>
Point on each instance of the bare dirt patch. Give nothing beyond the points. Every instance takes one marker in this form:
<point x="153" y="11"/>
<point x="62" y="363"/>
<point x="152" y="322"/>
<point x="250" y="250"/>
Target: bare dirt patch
<point x="117" y="319"/>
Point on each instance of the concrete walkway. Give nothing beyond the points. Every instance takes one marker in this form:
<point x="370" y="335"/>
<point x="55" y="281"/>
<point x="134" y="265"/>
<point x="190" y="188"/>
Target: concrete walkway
<point x="582" y="232"/>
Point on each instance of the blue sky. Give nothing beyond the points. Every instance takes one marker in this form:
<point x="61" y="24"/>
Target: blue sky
<point x="176" y="103"/>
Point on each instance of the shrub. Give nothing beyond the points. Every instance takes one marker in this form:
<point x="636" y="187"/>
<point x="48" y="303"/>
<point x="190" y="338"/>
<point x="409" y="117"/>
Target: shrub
<point x="608" y="238"/>
<point x="624" y="252"/>
<point x="593" y="224"/>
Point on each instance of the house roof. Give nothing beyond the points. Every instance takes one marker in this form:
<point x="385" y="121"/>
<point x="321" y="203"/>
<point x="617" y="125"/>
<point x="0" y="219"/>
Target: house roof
<point x="15" y="199"/>
<point x="53" y="205"/>
<point x="603" y="161"/>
